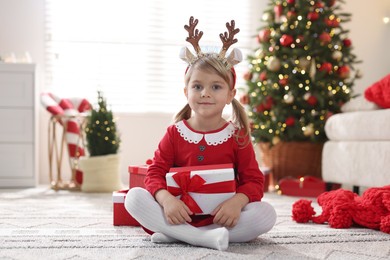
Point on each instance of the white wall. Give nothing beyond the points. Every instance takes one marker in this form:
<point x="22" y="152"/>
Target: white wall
<point x="22" y="29"/>
<point x="370" y="38"/>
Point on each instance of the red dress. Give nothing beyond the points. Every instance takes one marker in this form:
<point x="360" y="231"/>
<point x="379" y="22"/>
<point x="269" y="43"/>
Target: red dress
<point x="183" y="146"/>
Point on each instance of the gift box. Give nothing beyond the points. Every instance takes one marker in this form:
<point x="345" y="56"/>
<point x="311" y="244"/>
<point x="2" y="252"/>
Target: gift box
<point x="137" y="174"/>
<point x="308" y="186"/>
<point x="267" y="172"/>
<point x="202" y="188"/>
<point x="120" y="214"/>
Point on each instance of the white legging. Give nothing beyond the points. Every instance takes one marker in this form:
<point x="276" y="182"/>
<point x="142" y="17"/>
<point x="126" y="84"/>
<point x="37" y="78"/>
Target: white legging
<point x="256" y="218"/>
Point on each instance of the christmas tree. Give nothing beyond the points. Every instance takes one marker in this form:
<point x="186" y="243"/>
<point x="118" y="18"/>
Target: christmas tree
<point x="301" y="73"/>
<point x="101" y="132"/>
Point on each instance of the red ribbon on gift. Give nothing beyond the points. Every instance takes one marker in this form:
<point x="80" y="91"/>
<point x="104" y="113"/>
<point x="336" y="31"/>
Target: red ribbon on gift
<point x="197" y="184"/>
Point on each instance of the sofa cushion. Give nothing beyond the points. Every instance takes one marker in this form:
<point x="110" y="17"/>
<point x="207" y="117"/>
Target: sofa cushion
<point x="359" y="103"/>
<point x="363" y="125"/>
<point x="356" y="163"/>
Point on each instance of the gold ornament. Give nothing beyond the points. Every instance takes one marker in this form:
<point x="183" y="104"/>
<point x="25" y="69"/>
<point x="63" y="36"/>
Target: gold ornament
<point x="303" y="63"/>
<point x="288" y="98"/>
<point x="312" y="72"/>
<point x="273" y="64"/>
<point x="337" y="55"/>
<point x="275" y="140"/>
<point x="267" y="17"/>
<point x="308" y="130"/>
<point x="306" y="96"/>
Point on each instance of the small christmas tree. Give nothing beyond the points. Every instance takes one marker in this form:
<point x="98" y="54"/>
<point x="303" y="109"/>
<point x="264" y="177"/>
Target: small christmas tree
<point x="301" y="72"/>
<point x="101" y="132"/>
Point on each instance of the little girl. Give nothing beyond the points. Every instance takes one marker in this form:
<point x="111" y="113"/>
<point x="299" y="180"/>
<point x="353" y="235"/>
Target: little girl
<point x="201" y="136"/>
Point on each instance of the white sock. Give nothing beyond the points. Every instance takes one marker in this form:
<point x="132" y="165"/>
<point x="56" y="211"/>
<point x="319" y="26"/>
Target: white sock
<point x="161" y="238"/>
<point x="256" y="218"/>
<point x="143" y="207"/>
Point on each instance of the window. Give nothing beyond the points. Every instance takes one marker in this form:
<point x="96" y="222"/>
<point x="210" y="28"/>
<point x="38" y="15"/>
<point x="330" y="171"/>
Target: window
<point x="130" y="49"/>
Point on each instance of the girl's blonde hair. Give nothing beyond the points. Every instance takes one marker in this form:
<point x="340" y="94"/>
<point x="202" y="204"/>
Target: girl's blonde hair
<point x="211" y="63"/>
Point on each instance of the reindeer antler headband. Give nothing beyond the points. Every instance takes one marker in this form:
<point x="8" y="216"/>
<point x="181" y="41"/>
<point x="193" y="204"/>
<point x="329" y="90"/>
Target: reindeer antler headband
<point x="227" y="39"/>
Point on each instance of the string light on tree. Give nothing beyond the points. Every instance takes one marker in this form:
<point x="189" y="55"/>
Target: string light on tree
<point x="301" y="72"/>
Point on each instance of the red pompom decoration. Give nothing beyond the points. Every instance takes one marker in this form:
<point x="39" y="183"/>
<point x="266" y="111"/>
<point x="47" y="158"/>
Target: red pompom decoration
<point x="385" y="224"/>
<point x="302" y="211"/>
<point x="341" y="218"/>
<point x="342" y="209"/>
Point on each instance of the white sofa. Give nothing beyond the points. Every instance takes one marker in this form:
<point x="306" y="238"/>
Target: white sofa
<point x="358" y="151"/>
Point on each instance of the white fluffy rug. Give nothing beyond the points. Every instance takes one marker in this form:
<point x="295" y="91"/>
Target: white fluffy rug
<point x="43" y="224"/>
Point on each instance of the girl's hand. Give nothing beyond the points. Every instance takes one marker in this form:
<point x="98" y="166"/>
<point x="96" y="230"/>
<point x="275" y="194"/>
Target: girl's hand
<point x="228" y="212"/>
<point x="176" y="211"/>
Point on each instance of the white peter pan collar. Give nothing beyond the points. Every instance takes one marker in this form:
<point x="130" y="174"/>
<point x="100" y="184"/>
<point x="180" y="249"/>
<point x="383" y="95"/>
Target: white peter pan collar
<point x="213" y="138"/>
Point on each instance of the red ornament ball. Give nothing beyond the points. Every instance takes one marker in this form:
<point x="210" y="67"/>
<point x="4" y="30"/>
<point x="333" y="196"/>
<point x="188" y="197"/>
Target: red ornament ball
<point x="331" y="22"/>
<point x="291" y="15"/>
<point x="278" y="9"/>
<point x="247" y="75"/>
<point x="264" y="35"/>
<point x="325" y="38"/>
<point x="326" y="66"/>
<point x="149" y="161"/>
<point x="300" y="40"/>
<point x="328" y="114"/>
<point x="244" y="99"/>
<point x="330" y="3"/>
<point x="347" y="42"/>
<point x="343" y="71"/>
<point x="290" y="121"/>
<point x="260" y="108"/>
<point x="286" y="40"/>
<point x="283" y="81"/>
<point x="263" y="76"/>
<point x="312" y="100"/>
<point x="290" y="2"/>
<point x="269" y="102"/>
<point x="313" y="16"/>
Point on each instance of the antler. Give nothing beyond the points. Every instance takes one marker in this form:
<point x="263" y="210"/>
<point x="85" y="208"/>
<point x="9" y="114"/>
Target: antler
<point x="194" y="35"/>
<point x="228" y="39"/>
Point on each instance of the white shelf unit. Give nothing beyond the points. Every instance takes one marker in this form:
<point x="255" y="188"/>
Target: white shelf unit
<point x="18" y="126"/>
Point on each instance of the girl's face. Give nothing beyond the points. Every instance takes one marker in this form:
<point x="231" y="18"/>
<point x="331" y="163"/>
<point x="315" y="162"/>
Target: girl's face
<point x="208" y="93"/>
